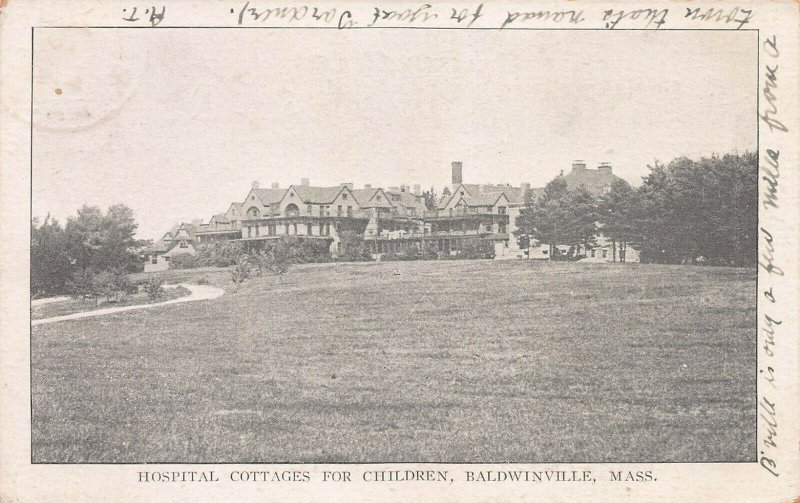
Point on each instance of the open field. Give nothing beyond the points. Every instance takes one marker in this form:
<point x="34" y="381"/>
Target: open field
<point x="446" y="362"/>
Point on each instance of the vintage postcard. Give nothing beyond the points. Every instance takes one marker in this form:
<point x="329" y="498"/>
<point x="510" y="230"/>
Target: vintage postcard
<point x="384" y="251"/>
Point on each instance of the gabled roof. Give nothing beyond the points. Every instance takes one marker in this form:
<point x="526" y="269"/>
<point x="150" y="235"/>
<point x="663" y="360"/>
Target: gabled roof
<point x="364" y="196"/>
<point x="316" y="195"/>
<point x="266" y="196"/>
<point x="219" y="217"/>
<point x="379" y="199"/>
<point x="407" y="199"/>
<point x="237" y="208"/>
<point x="483" y="199"/>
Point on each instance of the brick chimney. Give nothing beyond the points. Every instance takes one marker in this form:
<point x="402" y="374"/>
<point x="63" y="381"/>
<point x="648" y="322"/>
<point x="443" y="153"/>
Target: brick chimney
<point x="605" y="167"/>
<point x="367" y="185"/>
<point x="457" y="172"/>
<point x="276" y="185"/>
<point x="304" y="182"/>
<point x="578" y="165"/>
<point x="417" y="189"/>
<point x="255" y="184"/>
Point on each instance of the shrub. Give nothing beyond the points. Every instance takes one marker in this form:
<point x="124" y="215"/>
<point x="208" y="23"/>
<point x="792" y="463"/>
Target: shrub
<point x="219" y="254"/>
<point x="184" y="261"/>
<point x="81" y="283"/>
<point x="154" y="287"/>
<point x="241" y="270"/>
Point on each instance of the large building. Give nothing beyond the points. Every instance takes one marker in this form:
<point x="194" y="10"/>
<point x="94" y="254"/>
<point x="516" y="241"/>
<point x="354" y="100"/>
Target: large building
<point x="389" y="220"/>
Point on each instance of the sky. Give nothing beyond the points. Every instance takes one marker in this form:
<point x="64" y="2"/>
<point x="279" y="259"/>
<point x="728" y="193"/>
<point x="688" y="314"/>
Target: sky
<point x="177" y="124"/>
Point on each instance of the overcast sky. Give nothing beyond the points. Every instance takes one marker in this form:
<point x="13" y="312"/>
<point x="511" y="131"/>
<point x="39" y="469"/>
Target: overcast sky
<point x="178" y="123"/>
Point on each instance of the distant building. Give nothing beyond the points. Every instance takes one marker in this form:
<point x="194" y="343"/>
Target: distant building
<point x="389" y="220"/>
<point x="179" y="239"/>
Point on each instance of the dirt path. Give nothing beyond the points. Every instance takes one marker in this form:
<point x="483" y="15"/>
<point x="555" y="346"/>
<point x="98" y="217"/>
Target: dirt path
<point x="198" y="292"/>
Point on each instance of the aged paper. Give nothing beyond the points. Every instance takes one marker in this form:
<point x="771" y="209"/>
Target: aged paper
<point x="393" y="251"/>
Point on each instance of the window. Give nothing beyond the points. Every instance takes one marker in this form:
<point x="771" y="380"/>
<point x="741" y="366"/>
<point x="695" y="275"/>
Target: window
<point x="321" y="210"/>
<point x="349" y="211"/>
<point x="166" y="259"/>
<point x="154" y="260"/>
<point x="183" y="244"/>
<point x="256" y="229"/>
<point x="308" y="209"/>
<point x="605" y="253"/>
<point x="501" y="210"/>
<point x="339" y="210"/>
<point x="344" y="197"/>
<point x="593" y="252"/>
<point x="309" y="230"/>
<point x="294" y="229"/>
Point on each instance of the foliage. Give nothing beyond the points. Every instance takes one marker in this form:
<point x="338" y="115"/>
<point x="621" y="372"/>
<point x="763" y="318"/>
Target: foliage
<point x="91" y="241"/>
<point x="704" y="210"/>
<point x="103" y="242"/>
<point x="241" y="270"/>
<point x="50" y="264"/>
<point x="185" y="261"/>
<point x="560" y="216"/>
<point x="154" y="288"/>
<point x="353" y="248"/>
<point x="277" y="258"/>
<point x="214" y="254"/>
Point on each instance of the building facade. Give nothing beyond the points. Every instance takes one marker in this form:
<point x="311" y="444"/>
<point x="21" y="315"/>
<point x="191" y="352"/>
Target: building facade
<point x="388" y="220"/>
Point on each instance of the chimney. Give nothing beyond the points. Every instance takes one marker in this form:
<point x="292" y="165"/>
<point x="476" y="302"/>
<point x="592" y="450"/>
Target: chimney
<point x="578" y="165"/>
<point x="255" y="184"/>
<point x="526" y="191"/>
<point x="404" y="188"/>
<point x="457" y="172"/>
<point x="605" y="167"/>
<point x="417" y="189"/>
<point x="367" y="185"/>
<point x="349" y="185"/>
<point x="304" y="182"/>
<point x="276" y="185"/>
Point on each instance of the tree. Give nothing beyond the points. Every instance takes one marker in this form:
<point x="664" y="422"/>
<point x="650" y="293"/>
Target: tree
<point x="619" y="215"/>
<point x="103" y="242"/>
<point x="560" y="216"/>
<point x="702" y="210"/>
<point x="50" y="264"/>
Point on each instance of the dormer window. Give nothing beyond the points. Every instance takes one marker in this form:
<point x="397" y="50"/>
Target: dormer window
<point x="344" y="197"/>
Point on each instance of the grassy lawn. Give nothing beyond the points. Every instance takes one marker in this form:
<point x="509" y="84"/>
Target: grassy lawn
<point x="80" y="305"/>
<point x="446" y="362"/>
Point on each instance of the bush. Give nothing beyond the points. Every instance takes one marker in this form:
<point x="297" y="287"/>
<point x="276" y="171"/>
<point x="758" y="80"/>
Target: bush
<point x="108" y="284"/>
<point x="184" y="261"/>
<point x="241" y="270"/>
<point x="154" y="287"/>
<point x="81" y="283"/>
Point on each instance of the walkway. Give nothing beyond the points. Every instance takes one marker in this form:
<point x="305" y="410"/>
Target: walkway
<point x="198" y="292"/>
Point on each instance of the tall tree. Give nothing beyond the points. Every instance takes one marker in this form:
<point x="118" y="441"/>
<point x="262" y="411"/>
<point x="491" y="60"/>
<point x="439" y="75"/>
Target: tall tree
<point x="50" y="264"/>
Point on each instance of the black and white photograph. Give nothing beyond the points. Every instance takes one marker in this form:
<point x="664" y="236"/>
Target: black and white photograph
<point x="478" y="248"/>
<point x="398" y="251"/>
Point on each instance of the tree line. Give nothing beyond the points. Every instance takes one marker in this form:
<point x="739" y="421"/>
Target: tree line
<point x="93" y="247"/>
<point x="686" y="211"/>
